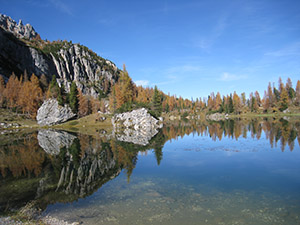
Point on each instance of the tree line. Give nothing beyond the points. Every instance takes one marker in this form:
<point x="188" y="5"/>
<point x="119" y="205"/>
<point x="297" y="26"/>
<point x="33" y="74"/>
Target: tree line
<point x="25" y="95"/>
<point x="274" y="100"/>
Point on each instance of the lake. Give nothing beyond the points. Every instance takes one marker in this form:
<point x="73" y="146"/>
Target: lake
<point x="227" y="172"/>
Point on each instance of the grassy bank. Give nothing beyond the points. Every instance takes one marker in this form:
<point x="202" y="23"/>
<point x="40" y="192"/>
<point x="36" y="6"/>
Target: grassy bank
<point x="90" y="124"/>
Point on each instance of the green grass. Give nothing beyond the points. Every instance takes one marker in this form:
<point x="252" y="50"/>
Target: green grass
<point x="90" y="124"/>
<point x="7" y="116"/>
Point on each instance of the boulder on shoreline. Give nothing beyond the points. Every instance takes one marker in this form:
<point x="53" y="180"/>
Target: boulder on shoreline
<point x="51" y="113"/>
<point x="137" y="126"/>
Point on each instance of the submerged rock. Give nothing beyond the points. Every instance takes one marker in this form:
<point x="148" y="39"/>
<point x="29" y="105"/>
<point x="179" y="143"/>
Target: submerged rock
<point x="51" y="113"/>
<point x="137" y="126"/>
<point x="52" y="141"/>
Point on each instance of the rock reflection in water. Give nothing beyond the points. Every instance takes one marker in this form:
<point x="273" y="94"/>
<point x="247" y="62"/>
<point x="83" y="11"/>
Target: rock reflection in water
<point x="136" y="136"/>
<point x="56" y="166"/>
<point x="52" y="140"/>
<point x="78" y="168"/>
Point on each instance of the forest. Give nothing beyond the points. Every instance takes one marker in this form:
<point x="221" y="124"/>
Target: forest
<point x="25" y="95"/>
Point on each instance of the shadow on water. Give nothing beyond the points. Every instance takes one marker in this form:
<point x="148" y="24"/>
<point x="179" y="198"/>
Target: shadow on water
<point x="50" y="166"/>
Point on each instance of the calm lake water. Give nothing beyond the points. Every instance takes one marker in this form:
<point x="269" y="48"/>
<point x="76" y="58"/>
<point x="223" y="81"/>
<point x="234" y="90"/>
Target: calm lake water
<point x="231" y="172"/>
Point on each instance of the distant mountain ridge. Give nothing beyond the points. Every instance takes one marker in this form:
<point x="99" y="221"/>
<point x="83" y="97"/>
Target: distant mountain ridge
<point x="21" y="48"/>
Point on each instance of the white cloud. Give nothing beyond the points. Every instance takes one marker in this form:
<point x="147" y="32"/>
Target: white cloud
<point x="292" y="49"/>
<point x="62" y="6"/>
<point x="142" y="82"/>
<point x="205" y="43"/>
<point x="231" y="77"/>
<point x="183" y="69"/>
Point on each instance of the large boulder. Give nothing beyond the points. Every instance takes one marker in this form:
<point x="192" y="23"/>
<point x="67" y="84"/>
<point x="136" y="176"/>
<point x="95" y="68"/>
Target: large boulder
<point x="51" y="113"/>
<point x="137" y="126"/>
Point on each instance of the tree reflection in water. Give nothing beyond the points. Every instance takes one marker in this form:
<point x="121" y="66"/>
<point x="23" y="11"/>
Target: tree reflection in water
<point x="83" y="165"/>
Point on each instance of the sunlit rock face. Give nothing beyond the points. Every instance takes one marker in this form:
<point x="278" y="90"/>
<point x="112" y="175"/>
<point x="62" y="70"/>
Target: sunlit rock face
<point x="67" y="61"/>
<point x="137" y="126"/>
<point x="51" y="113"/>
<point x="52" y="141"/>
<point x="18" y="29"/>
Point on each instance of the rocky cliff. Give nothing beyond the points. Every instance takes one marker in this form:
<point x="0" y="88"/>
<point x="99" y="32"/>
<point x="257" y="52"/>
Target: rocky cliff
<point x="22" y="49"/>
<point x="18" y="29"/>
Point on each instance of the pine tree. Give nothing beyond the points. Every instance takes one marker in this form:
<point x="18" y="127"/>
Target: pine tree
<point x="290" y="90"/>
<point x="297" y="94"/>
<point x="73" y="101"/>
<point x="113" y="100"/>
<point x="2" y="89"/>
<point x="44" y="82"/>
<point x="156" y="102"/>
<point x="284" y="98"/>
<point x="54" y="90"/>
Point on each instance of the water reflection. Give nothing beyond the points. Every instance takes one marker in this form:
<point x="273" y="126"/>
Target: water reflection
<point x="55" y="166"/>
<point x="276" y="130"/>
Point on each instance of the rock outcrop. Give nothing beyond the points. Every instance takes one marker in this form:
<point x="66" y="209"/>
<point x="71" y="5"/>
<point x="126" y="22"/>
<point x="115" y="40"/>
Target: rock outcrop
<point x="52" y="140"/>
<point x="137" y="127"/>
<point x="18" y="29"/>
<point x="51" y="113"/>
<point x="20" y="51"/>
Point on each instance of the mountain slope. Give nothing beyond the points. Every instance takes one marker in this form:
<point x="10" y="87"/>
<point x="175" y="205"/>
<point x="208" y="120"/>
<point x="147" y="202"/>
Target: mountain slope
<point x="22" y="49"/>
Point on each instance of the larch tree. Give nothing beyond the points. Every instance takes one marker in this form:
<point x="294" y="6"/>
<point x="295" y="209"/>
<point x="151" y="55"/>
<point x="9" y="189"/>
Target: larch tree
<point x="270" y="96"/>
<point x="12" y="90"/>
<point x="83" y="105"/>
<point x="266" y="102"/>
<point x="218" y="102"/>
<point x="126" y="86"/>
<point x="30" y="96"/>
<point x="237" y="104"/>
<point x="257" y="97"/>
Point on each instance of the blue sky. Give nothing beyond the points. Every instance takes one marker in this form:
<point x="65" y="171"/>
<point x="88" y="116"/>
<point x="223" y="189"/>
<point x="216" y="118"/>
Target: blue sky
<point x="187" y="48"/>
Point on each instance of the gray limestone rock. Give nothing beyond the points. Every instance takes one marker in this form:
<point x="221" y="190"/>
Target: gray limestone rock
<point x="137" y="126"/>
<point x="18" y="29"/>
<point x="51" y="113"/>
<point x="67" y="61"/>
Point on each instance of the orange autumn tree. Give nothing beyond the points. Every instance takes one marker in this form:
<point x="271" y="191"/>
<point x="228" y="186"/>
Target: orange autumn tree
<point x="12" y="90"/>
<point x="30" y="96"/>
